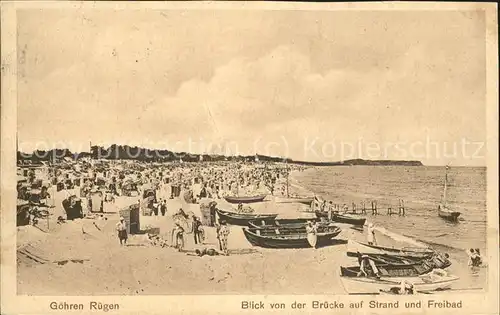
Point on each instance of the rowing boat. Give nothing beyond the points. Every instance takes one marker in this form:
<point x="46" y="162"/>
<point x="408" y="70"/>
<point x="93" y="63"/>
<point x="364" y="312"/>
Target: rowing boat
<point x="342" y="218"/>
<point x="273" y="222"/>
<point x="245" y="199"/>
<point x="427" y="282"/>
<point x="242" y="218"/>
<point x="353" y="248"/>
<point x="287" y="238"/>
<point x="297" y="227"/>
<point x="303" y="200"/>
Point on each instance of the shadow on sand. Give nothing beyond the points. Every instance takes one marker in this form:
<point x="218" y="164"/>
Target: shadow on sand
<point x="333" y="242"/>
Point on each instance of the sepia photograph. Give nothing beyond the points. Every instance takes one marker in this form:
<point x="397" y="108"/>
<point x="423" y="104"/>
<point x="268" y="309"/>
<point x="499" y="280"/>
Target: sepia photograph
<point x="253" y="150"/>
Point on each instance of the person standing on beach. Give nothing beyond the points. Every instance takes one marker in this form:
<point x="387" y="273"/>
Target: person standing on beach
<point x="223" y="236"/>
<point x="178" y="236"/>
<point x="370" y="234"/>
<point x="195" y="226"/>
<point x="121" y="227"/>
<point x="330" y="211"/>
<point x="217" y="232"/>
<point x="163" y="207"/>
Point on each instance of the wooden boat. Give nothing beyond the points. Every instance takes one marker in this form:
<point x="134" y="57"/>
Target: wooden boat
<point x="287" y="238"/>
<point x="384" y="259"/>
<point x="439" y="260"/>
<point x="297" y="227"/>
<point x="422" y="283"/>
<point x="353" y="248"/>
<point x="448" y="214"/>
<point x="342" y="218"/>
<point x="273" y="222"/>
<point x="245" y="199"/>
<point x="242" y="218"/>
<point x="443" y="210"/>
<point x="303" y="200"/>
<point x="397" y="270"/>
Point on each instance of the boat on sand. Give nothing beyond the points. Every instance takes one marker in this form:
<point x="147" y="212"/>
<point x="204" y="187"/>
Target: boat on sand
<point x="288" y="238"/>
<point x="353" y="248"/>
<point x="342" y="218"/>
<point x="242" y="219"/>
<point x="303" y="200"/>
<point x="245" y="199"/>
<point x="426" y="282"/>
<point x="289" y="223"/>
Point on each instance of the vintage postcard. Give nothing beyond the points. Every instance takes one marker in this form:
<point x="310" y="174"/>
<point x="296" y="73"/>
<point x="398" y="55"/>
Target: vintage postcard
<point x="254" y="157"/>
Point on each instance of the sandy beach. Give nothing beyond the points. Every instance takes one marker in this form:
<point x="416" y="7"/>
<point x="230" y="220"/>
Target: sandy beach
<point x="90" y="261"/>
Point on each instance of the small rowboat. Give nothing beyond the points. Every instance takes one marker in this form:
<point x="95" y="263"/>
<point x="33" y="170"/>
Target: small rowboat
<point x="392" y="270"/>
<point x="303" y="200"/>
<point x="423" y="283"/>
<point x="342" y="218"/>
<point x="245" y="199"/>
<point x="353" y="248"/>
<point x="282" y="224"/>
<point x="289" y="223"/>
<point x="287" y="238"/>
<point x="242" y="218"/>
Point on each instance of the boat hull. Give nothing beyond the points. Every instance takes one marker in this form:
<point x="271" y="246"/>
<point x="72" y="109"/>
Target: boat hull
<point x="448" y="214"/>
<point x="248" y="199"/>
<point x="305" y="200"/>
<point x="295" y="240"/>
<point x="289" y="223"/>
<point x="361" y="285"/>
<point x="242" y="219"/>
<point x="341" y="218"/>
<point x="354" y="247"/>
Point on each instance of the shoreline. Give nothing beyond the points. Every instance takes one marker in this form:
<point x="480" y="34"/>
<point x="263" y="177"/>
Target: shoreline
<point x="88" y="253"/>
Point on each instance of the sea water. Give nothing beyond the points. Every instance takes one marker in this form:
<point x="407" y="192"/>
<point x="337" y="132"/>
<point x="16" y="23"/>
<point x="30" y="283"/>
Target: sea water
<point x="421" y="188"/>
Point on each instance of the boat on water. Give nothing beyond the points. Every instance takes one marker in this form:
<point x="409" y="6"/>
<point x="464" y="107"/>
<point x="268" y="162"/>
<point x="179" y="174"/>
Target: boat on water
<point x="342" y="218"/>
<point x="303" y="200"/>
<point x="245" y="199"/>
<point x="443" y="210"/>
<point x="354" y="248"/>
<point x="448" y="214"/>
<point x="432" y="281"/>
<point x="242" y="219"/>
<point x="288" y="238"/>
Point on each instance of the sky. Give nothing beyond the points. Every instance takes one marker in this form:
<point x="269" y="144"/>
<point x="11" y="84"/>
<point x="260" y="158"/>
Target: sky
<point x="307" y="85"/>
